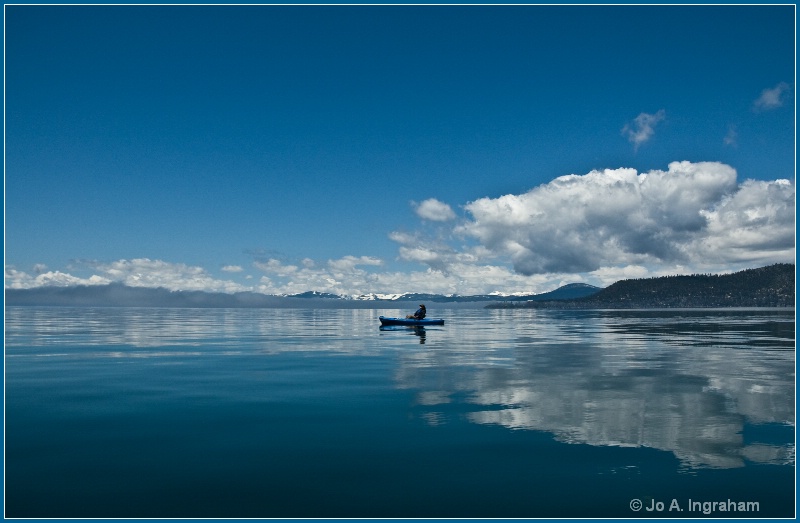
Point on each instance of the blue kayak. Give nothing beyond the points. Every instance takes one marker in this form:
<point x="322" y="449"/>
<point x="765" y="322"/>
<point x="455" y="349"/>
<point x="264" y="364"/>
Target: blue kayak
<point x="411" y="322"/>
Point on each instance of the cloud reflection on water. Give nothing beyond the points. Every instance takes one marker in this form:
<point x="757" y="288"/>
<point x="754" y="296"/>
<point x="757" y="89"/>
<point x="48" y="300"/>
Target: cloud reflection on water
<point x="687" y="382"/>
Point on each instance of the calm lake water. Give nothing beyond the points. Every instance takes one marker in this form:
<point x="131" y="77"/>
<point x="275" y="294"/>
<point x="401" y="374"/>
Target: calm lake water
<point x="144" y="412"/>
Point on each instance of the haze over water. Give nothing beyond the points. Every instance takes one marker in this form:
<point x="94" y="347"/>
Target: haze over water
<point x="140" y="412"/>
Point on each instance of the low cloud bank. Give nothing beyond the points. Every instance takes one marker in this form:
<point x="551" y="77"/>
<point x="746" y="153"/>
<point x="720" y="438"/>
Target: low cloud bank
<point x="139" y="272"/>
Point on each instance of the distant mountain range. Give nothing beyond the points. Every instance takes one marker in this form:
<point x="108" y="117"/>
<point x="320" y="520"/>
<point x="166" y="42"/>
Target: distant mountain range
<point x="119" y="295"/>
<point x="572" y="290"/>
<point x="772" y="286"/>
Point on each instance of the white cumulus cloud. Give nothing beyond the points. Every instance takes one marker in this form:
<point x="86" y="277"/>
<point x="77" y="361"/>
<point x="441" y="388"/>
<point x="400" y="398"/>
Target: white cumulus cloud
<point x="771" y="98"/>
<point x="349" y="263"/>
<point x="756" y="224"/>
<point x="732" y="137"/>
<point x="436" y="253"/>
<point x="434" y="210"/>
<point x="642" y="128"/>
<point x="693" y="213"/>
<point x="341" y="276"/>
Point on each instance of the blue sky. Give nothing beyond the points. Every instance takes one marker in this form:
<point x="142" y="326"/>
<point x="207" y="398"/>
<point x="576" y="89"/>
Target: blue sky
<point x="389" y="149"/>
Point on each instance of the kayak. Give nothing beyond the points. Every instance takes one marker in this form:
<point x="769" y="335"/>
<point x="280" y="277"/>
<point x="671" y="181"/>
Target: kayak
<point x="411" y="322"/>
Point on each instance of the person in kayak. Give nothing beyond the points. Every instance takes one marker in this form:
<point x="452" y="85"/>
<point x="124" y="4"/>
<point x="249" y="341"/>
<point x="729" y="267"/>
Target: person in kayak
<point x="419" y="315"/>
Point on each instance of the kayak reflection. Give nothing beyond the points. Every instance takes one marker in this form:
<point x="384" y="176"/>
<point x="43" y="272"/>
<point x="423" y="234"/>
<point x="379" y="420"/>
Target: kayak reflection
<point x="415" y="330"/>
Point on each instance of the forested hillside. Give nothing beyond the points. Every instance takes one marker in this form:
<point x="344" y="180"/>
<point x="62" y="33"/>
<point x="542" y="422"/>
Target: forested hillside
<point x="771" y="286"/>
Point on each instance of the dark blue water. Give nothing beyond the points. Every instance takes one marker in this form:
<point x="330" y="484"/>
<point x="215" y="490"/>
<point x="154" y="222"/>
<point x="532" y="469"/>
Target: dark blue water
<point x="320" y="413"/>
